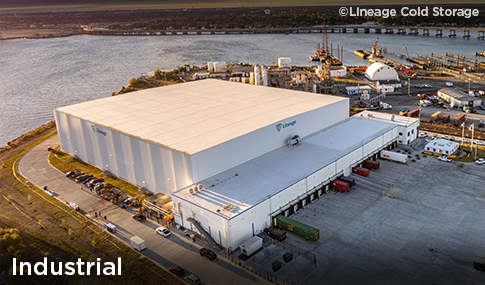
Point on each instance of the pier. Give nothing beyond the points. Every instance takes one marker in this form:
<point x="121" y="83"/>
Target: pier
<point x="425" y="31"/>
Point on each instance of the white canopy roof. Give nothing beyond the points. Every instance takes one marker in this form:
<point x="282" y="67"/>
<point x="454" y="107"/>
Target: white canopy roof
<point x="380" y="71"/>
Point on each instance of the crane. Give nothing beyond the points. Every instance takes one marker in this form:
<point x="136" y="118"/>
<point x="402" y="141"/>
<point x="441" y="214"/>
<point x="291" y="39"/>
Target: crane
<point x="374" y="48"/>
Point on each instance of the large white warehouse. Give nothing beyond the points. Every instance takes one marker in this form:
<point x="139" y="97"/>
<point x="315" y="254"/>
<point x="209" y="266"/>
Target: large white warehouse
<point x="169" y="137"/>
<point x="220" y="148"/>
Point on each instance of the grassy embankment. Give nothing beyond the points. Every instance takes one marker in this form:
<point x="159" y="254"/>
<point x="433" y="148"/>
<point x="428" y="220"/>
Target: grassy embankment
<point x="35" y="225"/>
<point x="64" y="162"/>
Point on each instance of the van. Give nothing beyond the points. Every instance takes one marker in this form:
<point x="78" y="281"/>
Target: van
<point x="192" y="279"/>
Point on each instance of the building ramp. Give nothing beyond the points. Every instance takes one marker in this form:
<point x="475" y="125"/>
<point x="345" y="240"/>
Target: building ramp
<point x="204" y="233"/>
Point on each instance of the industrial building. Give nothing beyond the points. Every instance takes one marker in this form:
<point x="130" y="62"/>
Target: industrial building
<point x="457" y="98"/>
<point x="441" y="146"/>
<point x="228" y="153"/>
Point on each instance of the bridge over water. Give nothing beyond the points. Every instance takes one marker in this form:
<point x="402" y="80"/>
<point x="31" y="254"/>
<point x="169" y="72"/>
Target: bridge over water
<point x="464" y="32"/>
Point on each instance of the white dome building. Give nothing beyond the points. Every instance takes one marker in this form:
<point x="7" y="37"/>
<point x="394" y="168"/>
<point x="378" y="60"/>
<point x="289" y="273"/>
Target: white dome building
<point x="380" y="71"/>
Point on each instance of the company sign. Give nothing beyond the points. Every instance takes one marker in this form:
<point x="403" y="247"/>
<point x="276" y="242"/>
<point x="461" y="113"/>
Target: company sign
<point x="281" y="126"/>
<point x="96" y="130"/>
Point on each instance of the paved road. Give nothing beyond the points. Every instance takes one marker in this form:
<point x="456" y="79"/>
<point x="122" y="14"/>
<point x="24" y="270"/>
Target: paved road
<point x="176" y="249"/>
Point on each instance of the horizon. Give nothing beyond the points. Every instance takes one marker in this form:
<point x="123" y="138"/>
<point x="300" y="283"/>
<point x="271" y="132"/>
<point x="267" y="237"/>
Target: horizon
<point x="58" y="6"/>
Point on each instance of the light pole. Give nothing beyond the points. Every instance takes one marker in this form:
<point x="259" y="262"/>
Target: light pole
<point x="462" y="132"/>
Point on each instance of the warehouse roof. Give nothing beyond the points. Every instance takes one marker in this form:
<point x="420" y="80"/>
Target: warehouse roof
<point x="251" y="182"/>
<point x="178" y="116"/>
<point x="388" y="118"/>
<point x="457" y="94"/>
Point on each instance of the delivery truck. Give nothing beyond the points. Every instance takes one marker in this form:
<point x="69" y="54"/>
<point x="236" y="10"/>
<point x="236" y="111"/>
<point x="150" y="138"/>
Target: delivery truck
<point x="394" y="156"/>
<point x="251" y="246"/>
<point x="137" y="243"/>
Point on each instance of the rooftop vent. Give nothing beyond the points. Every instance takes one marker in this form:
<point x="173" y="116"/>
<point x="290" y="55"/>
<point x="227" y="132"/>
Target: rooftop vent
<point x="295" y="140"/>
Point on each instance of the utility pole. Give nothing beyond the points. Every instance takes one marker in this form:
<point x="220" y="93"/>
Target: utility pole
<point x="472" y="127"/>
<point x="462" y="132"/>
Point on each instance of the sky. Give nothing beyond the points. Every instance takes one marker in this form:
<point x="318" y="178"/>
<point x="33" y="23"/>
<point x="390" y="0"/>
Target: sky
<point x="17" y="6"/>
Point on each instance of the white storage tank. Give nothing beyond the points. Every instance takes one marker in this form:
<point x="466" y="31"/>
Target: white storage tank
<point x="284" y="62"/>
<point x="210" y="66"/>
<point x="265" y="76"/>
<point x="257" y="75"/>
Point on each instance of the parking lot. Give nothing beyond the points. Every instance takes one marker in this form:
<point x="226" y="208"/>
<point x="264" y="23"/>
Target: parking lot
<point x="431" y="233"/>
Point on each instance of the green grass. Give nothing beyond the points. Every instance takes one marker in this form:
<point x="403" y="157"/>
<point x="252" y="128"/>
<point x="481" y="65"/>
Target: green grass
<point x="471" y="157"/>
<point x="64" y="163"/>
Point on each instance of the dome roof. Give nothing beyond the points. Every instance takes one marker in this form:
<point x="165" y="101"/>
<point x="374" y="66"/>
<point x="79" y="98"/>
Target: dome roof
<point x="380" y="71"/>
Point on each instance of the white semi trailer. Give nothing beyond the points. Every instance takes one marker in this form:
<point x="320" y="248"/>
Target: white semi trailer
<point x="394" y="156"/>
<point x="251" y="245"/>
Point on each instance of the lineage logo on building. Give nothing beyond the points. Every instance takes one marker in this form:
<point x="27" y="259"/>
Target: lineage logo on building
<point x="96" y="130"/>
<point x="281" y="126"/>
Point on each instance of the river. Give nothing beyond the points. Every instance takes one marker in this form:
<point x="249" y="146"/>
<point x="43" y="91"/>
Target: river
<point x="38" y="75"/>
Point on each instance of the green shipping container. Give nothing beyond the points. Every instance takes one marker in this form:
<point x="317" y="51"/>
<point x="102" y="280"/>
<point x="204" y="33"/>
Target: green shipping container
<point x="298" y="228"/>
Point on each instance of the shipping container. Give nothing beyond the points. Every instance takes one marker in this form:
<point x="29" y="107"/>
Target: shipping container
<point x="350" y="181"/>
<point x="340" y="185"/>
<point x="394" y="156"/>
<point x="413" y="113"/>
<point x="372" y="164"/>
<point x="459" y="119"/>
<point x="361" y="171"/>
<point x="435" y="116"/>
<point x="298" y="228"/>
<point x="446" y="118"/>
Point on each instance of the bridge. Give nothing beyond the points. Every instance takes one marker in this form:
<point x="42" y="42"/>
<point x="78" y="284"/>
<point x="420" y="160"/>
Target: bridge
<point x="399" y="30"/>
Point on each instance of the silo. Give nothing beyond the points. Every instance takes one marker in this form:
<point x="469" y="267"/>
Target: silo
<point x="265" y="75"/>
<point x="257" y="75"/>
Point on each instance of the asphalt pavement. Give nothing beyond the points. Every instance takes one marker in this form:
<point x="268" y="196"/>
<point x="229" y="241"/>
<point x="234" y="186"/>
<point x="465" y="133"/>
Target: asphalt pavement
<point x="176" y="249"/>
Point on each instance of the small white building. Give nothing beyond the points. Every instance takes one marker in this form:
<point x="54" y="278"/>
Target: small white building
<point x="458" y="98"/>
<point x="384" y="88"/>
<point x="441" y="146"/>
<point x="338" y="71"/>
<point x="284" y="62"/>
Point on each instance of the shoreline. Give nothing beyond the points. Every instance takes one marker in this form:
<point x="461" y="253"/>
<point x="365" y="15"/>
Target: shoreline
<point x="37" y="33"/>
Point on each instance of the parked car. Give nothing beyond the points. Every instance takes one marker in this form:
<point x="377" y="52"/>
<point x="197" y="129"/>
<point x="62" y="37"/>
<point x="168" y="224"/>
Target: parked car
<point x="177" y="270"/>
<point x="98" y="186"/>
<point x="94" y="181"/>
<point x="139" y="217"/>
<point x="480" y="161"/>
<point x="74" y="206"/>
<point x="163" y="231"/>
<point x="73" y="172"/>
<point x="192" y="279"/>
<point x="209" y="254"/>
<point x="444" y="158"/>
<point x="82" y="178"/>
